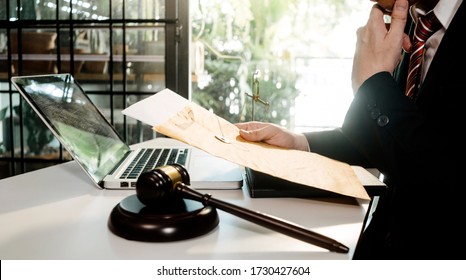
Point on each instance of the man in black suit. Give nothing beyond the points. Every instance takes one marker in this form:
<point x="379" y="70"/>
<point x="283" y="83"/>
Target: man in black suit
<point x="415" y="143"/>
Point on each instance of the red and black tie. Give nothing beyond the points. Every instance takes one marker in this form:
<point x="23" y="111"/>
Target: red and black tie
<point x="426" y="26"/>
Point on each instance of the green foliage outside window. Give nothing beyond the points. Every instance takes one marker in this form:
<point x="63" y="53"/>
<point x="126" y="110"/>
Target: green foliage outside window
<point x="243" y="36"/>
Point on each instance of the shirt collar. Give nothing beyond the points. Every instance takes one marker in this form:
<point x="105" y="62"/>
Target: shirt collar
<point x="445" y="10"/>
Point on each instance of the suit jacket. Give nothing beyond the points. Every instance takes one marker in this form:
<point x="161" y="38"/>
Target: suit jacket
<point x="418" y="147"/>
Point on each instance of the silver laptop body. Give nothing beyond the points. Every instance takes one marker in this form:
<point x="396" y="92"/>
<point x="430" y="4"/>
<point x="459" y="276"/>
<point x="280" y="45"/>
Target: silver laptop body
<point x="96" y="146"/>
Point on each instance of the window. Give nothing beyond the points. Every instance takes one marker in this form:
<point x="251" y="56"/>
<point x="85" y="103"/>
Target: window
<point x="120" y="51"/>
<point x="281" y="61"/>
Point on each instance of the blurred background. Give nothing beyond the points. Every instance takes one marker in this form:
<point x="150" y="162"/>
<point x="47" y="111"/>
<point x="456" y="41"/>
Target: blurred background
<point x="281" y="61"/>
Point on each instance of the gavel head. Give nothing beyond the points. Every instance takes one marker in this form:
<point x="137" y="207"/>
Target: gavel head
<point x="159" y="183"/>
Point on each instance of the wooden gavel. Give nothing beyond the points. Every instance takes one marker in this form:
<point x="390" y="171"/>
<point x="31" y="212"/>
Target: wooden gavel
<point x="173" y="181"/>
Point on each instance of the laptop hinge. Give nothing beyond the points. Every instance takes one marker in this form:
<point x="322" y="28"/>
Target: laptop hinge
<point x="120" y="162"/>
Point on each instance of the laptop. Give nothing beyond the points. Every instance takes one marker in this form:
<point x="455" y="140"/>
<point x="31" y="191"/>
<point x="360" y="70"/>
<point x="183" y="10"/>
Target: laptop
<point x="96" y="146"/>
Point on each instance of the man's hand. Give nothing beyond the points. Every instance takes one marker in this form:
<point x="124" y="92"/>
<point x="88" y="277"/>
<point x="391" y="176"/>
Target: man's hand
<point x="273" y="135"/>
<point x="378" y="49"/>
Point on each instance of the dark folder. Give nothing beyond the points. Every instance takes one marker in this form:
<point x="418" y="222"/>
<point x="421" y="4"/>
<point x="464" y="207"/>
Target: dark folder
<point x="262" y="185"/>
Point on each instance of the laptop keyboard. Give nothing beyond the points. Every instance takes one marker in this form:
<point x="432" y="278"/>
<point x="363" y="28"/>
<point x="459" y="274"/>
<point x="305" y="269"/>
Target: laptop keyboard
<point x="148" y="159"/>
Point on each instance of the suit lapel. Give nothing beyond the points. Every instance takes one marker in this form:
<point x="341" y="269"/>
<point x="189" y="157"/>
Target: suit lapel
<point x="441" y="74"/>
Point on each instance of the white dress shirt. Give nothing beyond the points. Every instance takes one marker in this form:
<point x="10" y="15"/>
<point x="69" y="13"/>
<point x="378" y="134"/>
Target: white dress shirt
<point x="445" y="10"/>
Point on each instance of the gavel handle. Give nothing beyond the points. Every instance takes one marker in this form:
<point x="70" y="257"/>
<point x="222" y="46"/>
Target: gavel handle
<point x="268" y="221"/>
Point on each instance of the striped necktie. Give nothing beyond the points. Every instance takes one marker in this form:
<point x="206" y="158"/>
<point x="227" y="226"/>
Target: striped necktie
<point x="426" y="26"/>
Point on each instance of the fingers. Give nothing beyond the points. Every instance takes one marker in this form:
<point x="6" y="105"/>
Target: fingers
<point x="406" y="45"/>
<point x="244" y="125"/>
<point x="378" y="49"/>
<point x="251" y="125"/>
<point x="272" y="134"/>
<point x="398" y="19"/>
<point x="375" y="28"/>
<point x="377" y="11"/>
<point x="256" y="135"/>
<point x="376" y="15"/>
<point x="256" y="131"/>
<point x="250" y="135"/>
<point x="245" y="129"/>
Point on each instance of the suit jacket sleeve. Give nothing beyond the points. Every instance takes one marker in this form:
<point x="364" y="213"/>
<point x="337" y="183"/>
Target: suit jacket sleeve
<point x="386" y="130"/>
<point x="370" y="132"/>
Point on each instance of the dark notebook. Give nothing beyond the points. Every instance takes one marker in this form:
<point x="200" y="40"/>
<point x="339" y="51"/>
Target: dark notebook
<point x="261" y="185"/>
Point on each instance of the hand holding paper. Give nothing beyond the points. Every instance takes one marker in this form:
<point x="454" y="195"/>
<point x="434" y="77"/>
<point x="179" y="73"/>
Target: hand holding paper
<point x="178" y="118"/>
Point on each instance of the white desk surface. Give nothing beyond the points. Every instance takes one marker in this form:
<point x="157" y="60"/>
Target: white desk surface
<point x="57" y="213"/>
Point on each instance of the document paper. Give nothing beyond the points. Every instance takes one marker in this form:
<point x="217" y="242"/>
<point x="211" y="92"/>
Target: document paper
<point x="176" y="117"/>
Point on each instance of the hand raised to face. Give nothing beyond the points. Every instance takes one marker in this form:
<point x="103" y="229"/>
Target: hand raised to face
<point x="378" y="48"/>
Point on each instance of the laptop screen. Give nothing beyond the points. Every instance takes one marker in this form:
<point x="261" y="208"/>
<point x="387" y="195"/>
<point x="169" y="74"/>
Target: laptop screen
<point x="76" y="122"/>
